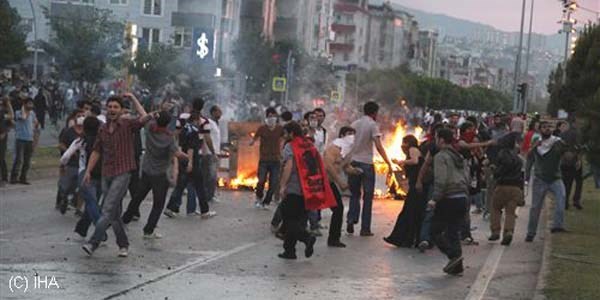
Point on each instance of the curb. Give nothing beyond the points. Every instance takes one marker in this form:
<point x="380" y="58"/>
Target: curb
<point x="544" y="268"/>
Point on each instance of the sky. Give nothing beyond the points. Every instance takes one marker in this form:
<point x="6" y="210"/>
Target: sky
<point x="504" y="14"/>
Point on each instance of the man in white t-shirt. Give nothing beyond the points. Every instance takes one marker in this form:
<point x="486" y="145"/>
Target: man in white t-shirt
<point x="211" y="161"/>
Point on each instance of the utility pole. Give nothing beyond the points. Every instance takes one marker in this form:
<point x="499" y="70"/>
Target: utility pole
<point x="568" y="27"/>
<point x="35" y="49"/>
<point x="524" y="100"/>
<point x="518" y="62"/>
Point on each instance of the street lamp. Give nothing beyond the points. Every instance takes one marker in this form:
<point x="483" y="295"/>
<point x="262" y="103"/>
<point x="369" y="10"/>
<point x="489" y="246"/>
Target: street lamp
<point x="35" y="50"/>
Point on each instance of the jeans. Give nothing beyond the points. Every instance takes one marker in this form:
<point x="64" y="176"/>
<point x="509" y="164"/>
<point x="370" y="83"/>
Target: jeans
<point x="114" y="189"/>
<point x="361" y="184"/>
<point x="570" y="174"/>
<point x="198" y="182"/>
<point x="3" y="166"/>
<point x="158" y="184"/>
<point x="68" y="182"/>
<point x="477" y="199"/>
<point x="538" y="194"/>
<point x="23" y="153"/>
<point x="294" y="218"/>
<point x="270" y="168"/>
<point x="335" y="226"/>
<point x="183" y="182"/>
<point x="425" y="233"/>
<point x="90" y="193"/>
<point x="445" y="226"/>
<point x="210" y="164"/>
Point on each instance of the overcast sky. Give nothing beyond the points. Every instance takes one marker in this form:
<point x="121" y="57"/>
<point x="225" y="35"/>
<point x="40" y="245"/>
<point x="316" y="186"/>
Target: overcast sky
<point x="504" y="14"/>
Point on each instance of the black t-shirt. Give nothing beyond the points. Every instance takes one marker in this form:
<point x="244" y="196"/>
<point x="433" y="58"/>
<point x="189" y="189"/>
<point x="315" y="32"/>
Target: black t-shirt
<point x="67" y="137"/>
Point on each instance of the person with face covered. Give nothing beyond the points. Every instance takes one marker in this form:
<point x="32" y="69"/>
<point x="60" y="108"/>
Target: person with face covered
<point x="408" y="225"/>
<point x="25" y="124"/>
<point x="546" y="155"/>
<point x="270" y="135"/>
<point x="114" y="145"/>
<point x="337" y="163"/>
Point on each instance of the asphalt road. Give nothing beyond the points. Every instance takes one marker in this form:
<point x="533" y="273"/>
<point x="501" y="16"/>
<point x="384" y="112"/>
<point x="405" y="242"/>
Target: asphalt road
<point x="234" y="256"/>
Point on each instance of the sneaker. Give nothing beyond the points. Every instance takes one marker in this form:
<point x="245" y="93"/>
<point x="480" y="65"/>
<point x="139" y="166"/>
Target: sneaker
<point x="152" y="236"/>
<point x="195" y="213"/>
<point x="285" y="255"/>
<point x="506" y="240"/>
<point x="494" y="237"/>
<point x="366" y="233"/>
<point x="208" y="215"/>
<point x="89" y="248"/>
<point x="258" y="204"/>
<point x="423" y="246"/>
<point x="169" y="213"/>
<point x="452" y="264"/>
<point x="315" y="232"/>
<point x="336" y="244"/>
<point x="123" y="252"/>
<point x="215" y="200"/>
<point x="457" y="270"/>
<point x="350" y="228"/>
<point x="529" y="239"/>
<point x="308" y="252"/>
<point x="265" y="207"/>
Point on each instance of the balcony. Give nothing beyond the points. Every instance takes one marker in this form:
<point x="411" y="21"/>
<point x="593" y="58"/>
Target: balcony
<point x="341" y="47"/>
<point x="343" y="28"/>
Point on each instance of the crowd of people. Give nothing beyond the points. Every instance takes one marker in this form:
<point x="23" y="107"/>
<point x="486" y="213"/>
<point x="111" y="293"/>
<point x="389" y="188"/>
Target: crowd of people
<point x="461" y="161"/>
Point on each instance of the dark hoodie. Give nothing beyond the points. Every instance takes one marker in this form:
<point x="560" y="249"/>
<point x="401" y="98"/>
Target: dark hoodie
<point x="508" y="164"/>
<point x="451" y="175"/>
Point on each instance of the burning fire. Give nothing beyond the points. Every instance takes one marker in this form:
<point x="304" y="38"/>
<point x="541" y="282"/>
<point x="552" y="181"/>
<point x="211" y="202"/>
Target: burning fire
<point x="393" y="145"/>
<point x="248" y="182"/>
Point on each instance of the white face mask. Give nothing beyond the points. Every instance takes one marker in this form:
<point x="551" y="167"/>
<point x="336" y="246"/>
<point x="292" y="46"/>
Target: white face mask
<point x="349" y="139"/>
<point x="313" y="123"/>
<point x="272" y="121"/>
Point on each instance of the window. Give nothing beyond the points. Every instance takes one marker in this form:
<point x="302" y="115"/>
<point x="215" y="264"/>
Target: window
<point x="150" y="36"/>
<point x="183" y="37"/>
<point x="152" y="7"/>
<point x="118" y="2"/>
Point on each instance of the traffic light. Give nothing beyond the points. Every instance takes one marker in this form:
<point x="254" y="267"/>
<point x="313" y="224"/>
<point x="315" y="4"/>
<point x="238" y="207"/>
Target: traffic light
<point x="522" y="90"/>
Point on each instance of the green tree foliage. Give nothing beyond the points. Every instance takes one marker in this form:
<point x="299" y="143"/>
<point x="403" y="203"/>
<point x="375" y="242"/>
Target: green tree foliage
<point x="12" y="35"/>
<point x="84" y="39"/>
<point x="156" y="66"/>
<point x="583" y="75"/>
<point x="387" y="86"/>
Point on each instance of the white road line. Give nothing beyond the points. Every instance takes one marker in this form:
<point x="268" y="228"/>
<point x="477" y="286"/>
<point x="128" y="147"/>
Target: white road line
<point x="479" y="287"/>
<point x="196" y="263"/>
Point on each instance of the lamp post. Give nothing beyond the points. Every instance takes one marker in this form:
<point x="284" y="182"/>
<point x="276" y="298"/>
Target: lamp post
<point x="524" y="100"/>
<point x="35" y="50"/>
<point x="518" y="62"/>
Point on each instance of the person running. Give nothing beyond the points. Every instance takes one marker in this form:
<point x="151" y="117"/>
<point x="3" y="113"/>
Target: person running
<point x="25" y="124"/>
<point x="115" y="145"/>
<point x="408" y="224"/>
<point x="449" y="200"/>
<point x="161" y="150"/>
<point x="367" y="136"/>
<point x="508" y="193"/>
<point x="304" y="186"/>
<point x="269" y="164"/>
<point x="546" y="156"/>
<point x="7" y="116"/>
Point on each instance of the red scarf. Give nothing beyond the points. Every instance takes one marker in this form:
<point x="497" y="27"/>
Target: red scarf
<point x="313" y="178"/>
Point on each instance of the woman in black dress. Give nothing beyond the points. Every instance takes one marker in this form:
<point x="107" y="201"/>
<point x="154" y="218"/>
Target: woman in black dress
<point x="408" y="225"/>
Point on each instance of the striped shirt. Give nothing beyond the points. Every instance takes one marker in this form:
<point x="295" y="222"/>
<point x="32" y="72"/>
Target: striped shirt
<point x="117" y="148"/>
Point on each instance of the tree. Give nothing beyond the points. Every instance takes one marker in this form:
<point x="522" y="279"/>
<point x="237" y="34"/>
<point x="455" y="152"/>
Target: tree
<point x="156" y="66"/>
<point x="12" y="35"/>
<point x="85" y="38"/>
<point x="254" y="57"/>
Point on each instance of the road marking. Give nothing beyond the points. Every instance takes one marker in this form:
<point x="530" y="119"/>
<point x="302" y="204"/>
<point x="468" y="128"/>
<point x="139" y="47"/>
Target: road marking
<point x="486" y="274"/>
<point x="196" y="263"/>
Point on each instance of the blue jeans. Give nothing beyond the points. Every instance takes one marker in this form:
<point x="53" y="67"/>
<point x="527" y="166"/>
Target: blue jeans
<point x="175" y="199"/>
<point x="363" y="184"/>
<point x="114" y="189"/>
<point x="477" y="199"/>
<point x="271" y="168"/>
<point x="538" y="194"/>
<point x="91" y="193"/>
<point x="426" y="225"/>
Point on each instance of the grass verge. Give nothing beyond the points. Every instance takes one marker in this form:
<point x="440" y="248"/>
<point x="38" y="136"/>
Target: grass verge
<point x="574" y="261"/>
<point x="44" y="158"/>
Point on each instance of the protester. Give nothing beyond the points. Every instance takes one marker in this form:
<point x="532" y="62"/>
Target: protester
<point x="69" y="173"/>
<point x="269" y="164"/>
<point x="211" y="161"/>
<point x="546" y="156"/>
<point x="530" y="137"/>
<point x="25" y="124"/>
<point x="304" y="186"/>
<point x="449" y="200"/>
<point x="367" y="136"/>
<point x="408" y="224"/>
<point x="114" y="145"/>
<point x="41" y="105"/>
<point x="508" y="193"/>
<point x="6" y="121"/>
<point x="571" y="165"/>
